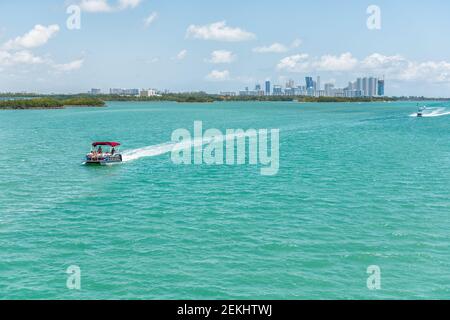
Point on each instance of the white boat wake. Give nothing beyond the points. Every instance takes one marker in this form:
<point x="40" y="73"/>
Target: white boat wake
<point x="150" y="151"/>
<point x="433" y="112"/>
<point x="159" y="149"/>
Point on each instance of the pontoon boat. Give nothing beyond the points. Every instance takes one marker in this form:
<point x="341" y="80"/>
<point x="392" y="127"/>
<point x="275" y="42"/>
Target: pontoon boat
<point x="99" y="156"/>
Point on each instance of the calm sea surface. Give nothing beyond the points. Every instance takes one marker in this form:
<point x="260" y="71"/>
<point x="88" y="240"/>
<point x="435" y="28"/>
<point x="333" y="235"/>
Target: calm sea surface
<point x="358" y="185"/>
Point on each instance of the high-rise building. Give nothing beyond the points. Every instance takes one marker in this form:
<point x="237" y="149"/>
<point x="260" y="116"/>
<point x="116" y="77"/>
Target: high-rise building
<point x="290" y="84"/>
<point x="329" y="88"/>
<point x="318" y="88"/>
<point x="381" y="88"/>
<point x="124" y="92"/>
<point x="267" y="88"/>
<point x="359" y="84"/>
<point x="309" y="83"/>
<point x="289" y="92"/>
<point x="365" y="87"/>
<point x="148" y="93"/>
<point x="373" y="87"/>
<point x="258" y="91"/>
<point x="131" y="92"/>
<point x="300" y="91"/>
<point x="95" y="91"/>
<point x="277" y="90"/>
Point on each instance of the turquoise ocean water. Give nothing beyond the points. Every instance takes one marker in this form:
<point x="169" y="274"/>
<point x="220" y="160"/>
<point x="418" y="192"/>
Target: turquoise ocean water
<point x="358" y="185"/>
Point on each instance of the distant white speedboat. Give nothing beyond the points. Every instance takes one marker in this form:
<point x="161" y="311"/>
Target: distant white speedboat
<point x="420" y="111"/>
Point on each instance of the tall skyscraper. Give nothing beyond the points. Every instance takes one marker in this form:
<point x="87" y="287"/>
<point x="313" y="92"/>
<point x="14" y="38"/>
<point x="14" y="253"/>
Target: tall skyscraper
<point x="318" y="87"/>
<point x="309" y="83"/>
<point x="381" y="88"/>
<point x="373" y="87"/>
<point x="365" y="87"/>
<point x="267" y="88"/>
<point x="359" y="85"/>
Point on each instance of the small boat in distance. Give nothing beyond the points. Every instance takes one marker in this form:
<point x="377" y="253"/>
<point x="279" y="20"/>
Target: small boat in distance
<point x="420" y="111"/>
<point x="98" y="156"/>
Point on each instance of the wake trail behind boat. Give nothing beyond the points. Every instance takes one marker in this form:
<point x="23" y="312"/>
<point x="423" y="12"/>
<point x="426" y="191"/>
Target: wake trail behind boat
<point x="435" y="112"/>
<point x="160" y="149"/>
<point x="149" y="151"/>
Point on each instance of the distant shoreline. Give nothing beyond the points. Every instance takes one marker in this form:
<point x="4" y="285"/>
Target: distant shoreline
<point x="23" y="101"/>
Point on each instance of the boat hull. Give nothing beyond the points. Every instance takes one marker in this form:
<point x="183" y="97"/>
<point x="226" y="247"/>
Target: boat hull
<point x="103" y="161"/>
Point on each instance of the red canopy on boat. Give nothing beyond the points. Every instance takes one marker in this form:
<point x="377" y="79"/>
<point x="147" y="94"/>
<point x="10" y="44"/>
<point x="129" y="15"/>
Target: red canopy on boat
<point x="111" y="144"/>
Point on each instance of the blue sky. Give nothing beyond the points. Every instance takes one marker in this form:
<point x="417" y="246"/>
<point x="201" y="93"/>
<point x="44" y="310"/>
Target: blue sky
<point x="222" y="45"/>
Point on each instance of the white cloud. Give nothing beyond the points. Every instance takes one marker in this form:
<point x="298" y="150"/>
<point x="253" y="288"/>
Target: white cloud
<point x="218" y="31"/>
<point x="303" y="63"/>
<point x="222" y="56"/>
<point x="104" y="6"/>
<point x="394" y="67"/>
<point x="95" y="6"/>
<point x="273" y="48"/>
<point x="398" y="67"/>
<point x="376" y="61"/>
<point x="70" y="66"/>
<point x="182" y="54"/>
<point x="19" y="57"/>
<point x="14" y="52"/>
<point x="431" y="71"/>
<point x="150" y="19"/>
<point x="278" y="47"/>
<point x="24" y="57"/>
<point x="4" y="56"/>
<point x="36" y="37"/>
<point x="295" y="63"/>
<point x="125" y="4"/>
<point x="344" y="62"/>
<point x="217" y="75"/>
<point x="388" y="65"/>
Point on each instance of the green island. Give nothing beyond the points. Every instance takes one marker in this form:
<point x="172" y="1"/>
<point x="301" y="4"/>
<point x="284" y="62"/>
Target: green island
<point x="59" y="101"/>
<point x="49" y="103"/>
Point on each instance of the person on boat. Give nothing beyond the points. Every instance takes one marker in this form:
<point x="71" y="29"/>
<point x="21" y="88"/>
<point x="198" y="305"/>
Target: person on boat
<point x="113" y="151"/>
<point x="93" y="154"/>
<point x="100" y="150"/>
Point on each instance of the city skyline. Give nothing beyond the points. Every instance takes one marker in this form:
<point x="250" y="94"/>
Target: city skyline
<point x="214" y="47"/>
<point x="361" y="87"/>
